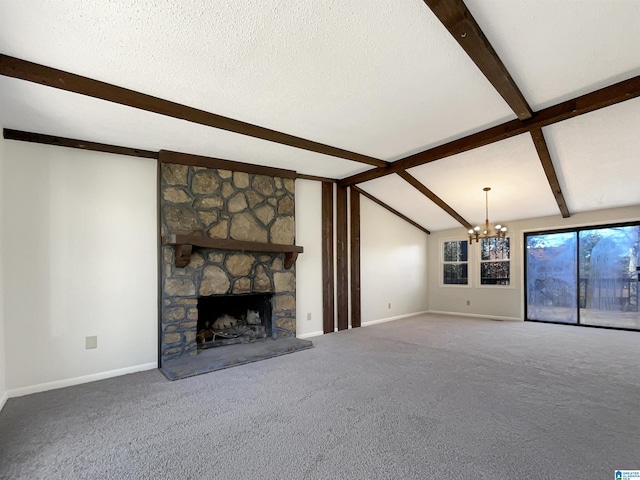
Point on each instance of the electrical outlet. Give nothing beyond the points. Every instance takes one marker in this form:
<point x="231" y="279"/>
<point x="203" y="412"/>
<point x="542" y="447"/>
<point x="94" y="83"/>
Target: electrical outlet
<point x="308" y="316"/>
<point x="389" y="305"/>
<point x="91" y="342"/>
<point x="468" y="302"/>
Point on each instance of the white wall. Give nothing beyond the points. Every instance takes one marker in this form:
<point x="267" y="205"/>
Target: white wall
<point x="309" y="263"/>
<point x="393" y="265"/>
<point x="393" y="262"/>
<point x="80" y="259"/>
<point x="3" y="369"/>
<point x="495" y="301"/>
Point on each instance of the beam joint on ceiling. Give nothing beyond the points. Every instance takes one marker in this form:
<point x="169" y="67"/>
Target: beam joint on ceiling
<point x="51" y="77"/>
<point x="366" y="176"/>
<point x="604" y="97"/>
<point x="549" y="170"/>
<point x="457" y="19"/>
<point x="434" y="198"/>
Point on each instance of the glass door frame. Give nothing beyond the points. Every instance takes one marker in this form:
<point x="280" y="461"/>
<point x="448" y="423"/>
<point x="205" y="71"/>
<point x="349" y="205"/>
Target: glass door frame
<point x="577" y="231"/>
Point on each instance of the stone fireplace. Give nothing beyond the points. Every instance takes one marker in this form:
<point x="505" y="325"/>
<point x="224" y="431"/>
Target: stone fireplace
<point x="216" y="297"/>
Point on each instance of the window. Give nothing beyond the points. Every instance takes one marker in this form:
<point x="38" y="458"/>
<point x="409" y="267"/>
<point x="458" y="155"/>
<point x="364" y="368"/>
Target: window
<point x="495" y="261"/>
<point x="455" y="267"/>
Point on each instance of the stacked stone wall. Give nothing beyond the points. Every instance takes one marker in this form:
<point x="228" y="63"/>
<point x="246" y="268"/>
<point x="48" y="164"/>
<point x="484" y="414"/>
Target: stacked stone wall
<point x="227" y="205"/>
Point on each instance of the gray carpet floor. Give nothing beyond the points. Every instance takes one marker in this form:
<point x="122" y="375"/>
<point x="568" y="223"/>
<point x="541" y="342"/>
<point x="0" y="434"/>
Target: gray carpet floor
<point x="422" y="398"/>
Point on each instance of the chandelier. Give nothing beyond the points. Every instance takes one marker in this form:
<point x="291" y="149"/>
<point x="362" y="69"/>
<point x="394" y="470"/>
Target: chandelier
<point x="476" y="233"/>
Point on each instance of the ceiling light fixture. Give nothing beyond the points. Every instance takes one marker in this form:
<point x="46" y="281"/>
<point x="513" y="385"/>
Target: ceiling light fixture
<point x="476" y="233"/>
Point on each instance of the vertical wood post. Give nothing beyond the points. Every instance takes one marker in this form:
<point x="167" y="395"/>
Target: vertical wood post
<point x="159" y="259"/>
<point x="342" y="284"/>
<point x="356" y="304"/>
<point x="328" y="292"/>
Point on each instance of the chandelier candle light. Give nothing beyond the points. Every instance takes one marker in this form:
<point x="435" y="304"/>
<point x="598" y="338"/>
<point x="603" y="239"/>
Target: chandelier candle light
<point x="476" y="233"/>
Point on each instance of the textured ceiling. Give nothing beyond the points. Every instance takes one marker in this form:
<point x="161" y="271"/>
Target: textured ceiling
<point x="600" y="155"/>
<point x="32" y="107"/>
<point x="398" y="194"/>
<point x="366" y="77"/>
<point x="381" y="78"/>
<point x="558" y="49"/>
<point x="459" y="180"/>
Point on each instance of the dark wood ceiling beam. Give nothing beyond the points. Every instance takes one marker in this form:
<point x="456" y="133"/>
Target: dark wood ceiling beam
<point x="366" y="176"/>
<point x="434" y="198"/>
<point x="390" y="209"/>
<point x="549" y="170"/>
<point x="605" y="97"/>
<point x="315" y="178"/>
<point x="457" y="19"/>
<point x="167" y="156"/>
<point x="73" y="143"/>
<point x="33" y="72"/>
<point x="470" y="142"/>
<point x="589" y="102"/>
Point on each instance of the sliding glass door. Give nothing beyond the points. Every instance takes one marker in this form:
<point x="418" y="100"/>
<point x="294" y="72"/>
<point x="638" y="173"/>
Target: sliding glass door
<point x="552" y="277"/>
<point x="586" y="276"/>
<point x="608" y="277"/>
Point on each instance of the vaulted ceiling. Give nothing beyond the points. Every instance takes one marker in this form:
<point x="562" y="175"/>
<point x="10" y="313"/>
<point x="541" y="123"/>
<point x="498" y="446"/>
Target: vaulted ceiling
<point x="382" y="80"/>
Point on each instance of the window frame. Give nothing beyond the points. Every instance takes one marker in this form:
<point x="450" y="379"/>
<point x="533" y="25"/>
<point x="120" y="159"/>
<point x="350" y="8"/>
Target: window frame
<point x="480" y="261"/>
<point x="468" y="262"/>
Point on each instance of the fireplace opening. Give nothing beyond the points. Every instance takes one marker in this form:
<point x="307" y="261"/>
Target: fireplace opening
<point x="232" y="319"/>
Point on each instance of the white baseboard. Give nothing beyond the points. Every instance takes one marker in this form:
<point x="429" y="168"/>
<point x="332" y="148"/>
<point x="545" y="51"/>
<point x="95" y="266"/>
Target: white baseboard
<point x="43" y="387"/>
<point x="391" y="319"/>
<point x="476" y="315"/>
<point x="309" y="335"/>
<point x="3" y="400"/>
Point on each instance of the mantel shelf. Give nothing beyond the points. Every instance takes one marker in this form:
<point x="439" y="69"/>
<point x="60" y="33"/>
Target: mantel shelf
<point x="183" y="246"/>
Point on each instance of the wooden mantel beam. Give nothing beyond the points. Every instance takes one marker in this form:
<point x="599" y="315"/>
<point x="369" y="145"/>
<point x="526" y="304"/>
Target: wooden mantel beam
<point x="183" y="246"/>
<point x="605" y="97"/>
<point x="51" y="77"/>
<point x="457" y="19"/>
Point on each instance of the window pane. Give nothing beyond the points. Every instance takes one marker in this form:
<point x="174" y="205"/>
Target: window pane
<point x="455" y="274"/>
<point x="609" y="276"/>
<point x="455" y="251"/>
<point x="551" y="277"/>
<point x="495" y="249"/>
<point x="494" y="273"/>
